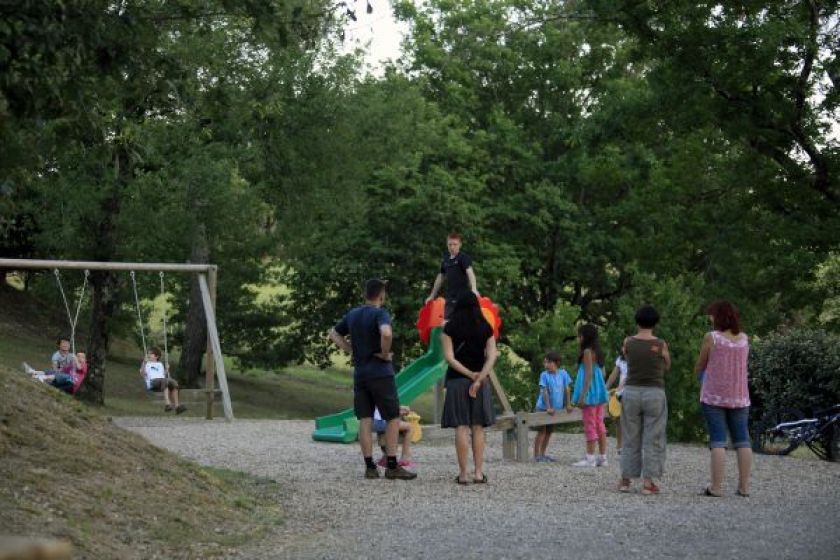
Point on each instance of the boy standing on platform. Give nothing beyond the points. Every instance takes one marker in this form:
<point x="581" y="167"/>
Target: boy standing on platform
<point x="457" y="269"/>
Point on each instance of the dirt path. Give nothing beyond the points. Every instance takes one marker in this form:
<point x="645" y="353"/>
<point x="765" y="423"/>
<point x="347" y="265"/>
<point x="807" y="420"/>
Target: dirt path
<point x="527" y="510"/>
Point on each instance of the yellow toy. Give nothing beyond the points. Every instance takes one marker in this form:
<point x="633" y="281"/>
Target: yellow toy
<point x="416" y="429"/>
<point x="614" y="405"/>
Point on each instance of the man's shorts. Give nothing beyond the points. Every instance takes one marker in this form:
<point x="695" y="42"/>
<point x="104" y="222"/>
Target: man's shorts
<point x="381" y="393"/>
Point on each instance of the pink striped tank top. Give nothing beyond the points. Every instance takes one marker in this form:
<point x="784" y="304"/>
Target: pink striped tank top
<point x="725" y="380"/>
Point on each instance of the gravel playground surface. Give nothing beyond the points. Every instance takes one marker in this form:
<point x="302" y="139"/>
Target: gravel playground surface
<point x="527" y="510"/>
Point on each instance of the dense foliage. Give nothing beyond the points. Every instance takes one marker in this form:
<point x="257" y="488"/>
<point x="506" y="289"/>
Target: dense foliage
<point x="799" y="368"/>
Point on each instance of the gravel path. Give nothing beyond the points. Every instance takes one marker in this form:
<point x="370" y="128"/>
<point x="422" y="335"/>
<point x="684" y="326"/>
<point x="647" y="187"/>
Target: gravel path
<point x="527" y="511"/>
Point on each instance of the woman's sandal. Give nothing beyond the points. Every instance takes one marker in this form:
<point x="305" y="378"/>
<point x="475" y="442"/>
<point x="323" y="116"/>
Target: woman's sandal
<point x="708" y="492"/>
<point x="482" y="480"/>
<point x="462" y="482"/>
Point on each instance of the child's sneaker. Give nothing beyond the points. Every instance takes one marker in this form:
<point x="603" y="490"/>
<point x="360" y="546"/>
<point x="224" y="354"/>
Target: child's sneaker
<point x="180" y="408"/>
<point x="588" y="461"/>
<point x="28" y="369"/>
<point x="371" y="473"/>
<point x="601" y="461"/>
<point x="168" y="408"/>
<point x="539" y="459"/>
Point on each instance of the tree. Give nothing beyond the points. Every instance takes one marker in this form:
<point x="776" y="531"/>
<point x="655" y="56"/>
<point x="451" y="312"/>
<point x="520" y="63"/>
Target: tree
<point x="128" y="69"/>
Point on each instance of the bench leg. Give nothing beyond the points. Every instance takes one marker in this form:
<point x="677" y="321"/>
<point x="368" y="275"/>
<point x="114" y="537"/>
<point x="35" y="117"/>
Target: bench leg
<point x="521" y="437"/>
<point x="509" y="444"/>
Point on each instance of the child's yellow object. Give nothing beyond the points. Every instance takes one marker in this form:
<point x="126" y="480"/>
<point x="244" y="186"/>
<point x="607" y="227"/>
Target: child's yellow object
<point x="416" y="430"/>
<point x="614" y="405"/>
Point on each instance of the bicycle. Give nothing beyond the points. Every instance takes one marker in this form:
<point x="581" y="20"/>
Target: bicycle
<point x="781" y="431"/>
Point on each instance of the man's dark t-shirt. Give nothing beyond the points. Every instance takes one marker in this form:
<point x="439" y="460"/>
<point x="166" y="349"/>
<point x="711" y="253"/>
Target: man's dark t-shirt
<point x="455" y="271"/>
<point x="362" y="324"/>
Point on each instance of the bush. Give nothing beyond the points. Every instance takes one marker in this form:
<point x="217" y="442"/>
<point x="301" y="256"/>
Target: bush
<point x="798" y="368"/>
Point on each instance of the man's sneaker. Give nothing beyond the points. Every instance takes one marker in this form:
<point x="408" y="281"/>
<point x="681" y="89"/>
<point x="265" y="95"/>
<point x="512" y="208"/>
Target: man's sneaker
<point x="585" y="462"/>
<point x="601" y="462"/>
<point x="180" y="408"/>
<point x="539" y="459"/>
<point x="399" y="473"/>
<point x="371" y="473"/>
<point x="549" y="459"/>
<point x="168" y="408"/>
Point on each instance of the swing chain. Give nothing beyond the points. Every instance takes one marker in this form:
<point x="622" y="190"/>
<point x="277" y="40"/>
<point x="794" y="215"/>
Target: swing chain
<point x="165" y="342"/>
<point x="70" y="318"/>
<point x="139" y="316"/>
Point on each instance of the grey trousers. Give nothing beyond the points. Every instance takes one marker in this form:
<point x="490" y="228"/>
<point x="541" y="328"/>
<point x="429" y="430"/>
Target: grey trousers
<point x="644" y="418"/>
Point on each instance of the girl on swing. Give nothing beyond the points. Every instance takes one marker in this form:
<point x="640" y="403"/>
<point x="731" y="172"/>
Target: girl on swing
<point x="155" y="375"/>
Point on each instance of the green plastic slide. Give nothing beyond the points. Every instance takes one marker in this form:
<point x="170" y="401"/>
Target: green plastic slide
<point x="413" y="381"/>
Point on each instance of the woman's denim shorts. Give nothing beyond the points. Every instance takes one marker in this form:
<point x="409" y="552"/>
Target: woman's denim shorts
<point x="720" y="420"/>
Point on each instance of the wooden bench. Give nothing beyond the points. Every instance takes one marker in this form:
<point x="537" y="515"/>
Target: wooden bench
<point x="515" y="430"/>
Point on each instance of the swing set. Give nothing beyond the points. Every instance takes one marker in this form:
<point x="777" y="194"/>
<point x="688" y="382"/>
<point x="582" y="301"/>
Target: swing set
<point x="207" y="275"/>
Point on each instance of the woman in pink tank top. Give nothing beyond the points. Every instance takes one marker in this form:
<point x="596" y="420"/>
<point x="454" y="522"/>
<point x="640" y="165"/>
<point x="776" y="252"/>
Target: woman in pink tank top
<point x="724" y="396"/>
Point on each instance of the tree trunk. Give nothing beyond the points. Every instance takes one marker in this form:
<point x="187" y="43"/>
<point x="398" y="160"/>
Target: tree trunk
<point x="195" y="329"/>
<point x="104" y="284"/>
<point x="104" y="287"/>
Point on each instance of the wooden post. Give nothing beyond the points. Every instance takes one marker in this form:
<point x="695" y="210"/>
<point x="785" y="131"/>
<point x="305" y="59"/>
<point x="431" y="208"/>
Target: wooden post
<point x="216" y="346"/>
<point x="500" y="393"/>
<point x="509" y="443"/>
<point x="521" y="437"/>
<point x="210" y="363"/>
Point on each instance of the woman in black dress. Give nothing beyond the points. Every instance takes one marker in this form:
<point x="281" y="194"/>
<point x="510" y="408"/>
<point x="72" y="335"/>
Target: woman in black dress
<point x="470" y="350"/>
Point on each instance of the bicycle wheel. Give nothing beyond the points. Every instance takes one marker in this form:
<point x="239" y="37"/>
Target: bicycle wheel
<point x="820" y="448"/>
<point x="772" y="441"/>
<point x="834" y="444"/>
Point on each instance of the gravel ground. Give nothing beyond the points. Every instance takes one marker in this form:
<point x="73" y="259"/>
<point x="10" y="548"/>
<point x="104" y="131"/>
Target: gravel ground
<point x="526" y="511"/>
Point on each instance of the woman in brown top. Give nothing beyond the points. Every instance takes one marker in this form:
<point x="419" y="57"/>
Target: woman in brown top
<point x="644" y="414"/>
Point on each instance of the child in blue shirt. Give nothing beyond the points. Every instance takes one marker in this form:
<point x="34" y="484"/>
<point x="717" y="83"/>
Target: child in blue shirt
<point x="555" y="393"/>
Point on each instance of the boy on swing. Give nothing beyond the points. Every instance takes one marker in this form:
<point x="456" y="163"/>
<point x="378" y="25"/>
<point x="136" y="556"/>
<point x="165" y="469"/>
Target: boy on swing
<point x="155" y="375"/>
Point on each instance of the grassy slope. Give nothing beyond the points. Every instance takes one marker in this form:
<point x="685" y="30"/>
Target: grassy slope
<point x="68" y="472"/>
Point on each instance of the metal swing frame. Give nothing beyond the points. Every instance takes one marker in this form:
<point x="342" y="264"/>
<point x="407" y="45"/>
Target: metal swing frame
<point x="207" y="281"/>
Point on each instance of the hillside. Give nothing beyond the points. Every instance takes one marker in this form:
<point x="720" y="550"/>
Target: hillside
<point x="68" y="472"/>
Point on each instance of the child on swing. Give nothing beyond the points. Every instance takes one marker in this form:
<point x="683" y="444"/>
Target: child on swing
<point x="154" y="373"/>
<point x="68" y="379"/>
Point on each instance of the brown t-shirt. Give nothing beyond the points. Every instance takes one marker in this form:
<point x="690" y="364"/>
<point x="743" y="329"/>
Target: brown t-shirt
<point x="645" y="363"/>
